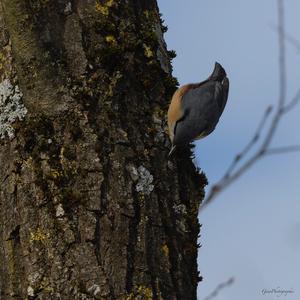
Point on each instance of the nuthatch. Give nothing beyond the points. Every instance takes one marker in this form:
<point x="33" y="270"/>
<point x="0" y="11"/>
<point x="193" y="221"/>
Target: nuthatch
<point x="195" y="108"/>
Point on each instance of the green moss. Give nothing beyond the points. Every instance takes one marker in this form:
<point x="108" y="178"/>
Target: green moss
<point x="39" y="236"/>
<point x="171" y="84"/>
<point x="2" y="60"/>
<point x="147" y="51"/>
<point x="111" y="40"/>
<point x="165" y="250"/>
<point x="141" y="196"/>
<point x="103" y="7"/>
<point x="39" y="4"/>
<point x="120" y="35"/>
<point x="56" y="174"/>
<point x="45" y="285"/>
<point x="141" y="293"/>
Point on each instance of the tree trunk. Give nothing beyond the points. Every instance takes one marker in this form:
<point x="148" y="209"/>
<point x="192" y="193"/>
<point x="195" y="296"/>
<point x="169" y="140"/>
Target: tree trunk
<point x="91" y="206"/>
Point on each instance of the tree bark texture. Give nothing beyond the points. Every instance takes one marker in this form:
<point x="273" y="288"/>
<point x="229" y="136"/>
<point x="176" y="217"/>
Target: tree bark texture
<point x="91" y="206"/>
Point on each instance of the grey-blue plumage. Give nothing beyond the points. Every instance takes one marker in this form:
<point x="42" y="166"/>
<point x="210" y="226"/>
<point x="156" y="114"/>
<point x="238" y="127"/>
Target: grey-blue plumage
<point x="202" y="107"/>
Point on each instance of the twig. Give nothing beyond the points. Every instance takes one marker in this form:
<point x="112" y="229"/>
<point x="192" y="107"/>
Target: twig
<point x="294" y="42"/>
<point x="282" y="78"/>
<point x="221" y="286"/>
<point x="282" y="108"/>
<point x="251" y="143"/>
<point x="292" y="103"/>
<point x="282" y="64"/>
<point x="296" y="45"/>
<point x="280" y="150"/>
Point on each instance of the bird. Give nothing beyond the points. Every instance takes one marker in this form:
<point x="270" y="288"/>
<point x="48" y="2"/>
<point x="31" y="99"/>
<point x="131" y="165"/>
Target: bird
<point x="195" y="108"/>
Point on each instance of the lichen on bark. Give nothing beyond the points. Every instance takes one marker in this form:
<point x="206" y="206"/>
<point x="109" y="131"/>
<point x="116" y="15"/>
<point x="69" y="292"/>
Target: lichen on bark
<point x="11" y="108"/>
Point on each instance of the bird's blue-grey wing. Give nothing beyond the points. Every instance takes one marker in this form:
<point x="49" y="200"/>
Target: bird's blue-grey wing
<point x="202" y="107"/>
<point x="212" y="98"/>
<point x="200" y="111"/>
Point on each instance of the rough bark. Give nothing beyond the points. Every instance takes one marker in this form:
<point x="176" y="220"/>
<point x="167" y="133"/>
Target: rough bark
<point x="91" y="207"/>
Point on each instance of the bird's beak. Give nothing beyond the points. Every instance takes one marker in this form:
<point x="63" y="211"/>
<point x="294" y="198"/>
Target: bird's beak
<point x="172" y="150"/>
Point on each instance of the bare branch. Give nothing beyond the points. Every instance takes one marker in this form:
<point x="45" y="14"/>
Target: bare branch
<point x="224" y="183"/>
<point x="296" y="45"/>
<point x="281" y="150"/>
<point x="292" y="103"/>
<point x="293" y="41"/>
<point x="220" y="287"/>
<point x="234" y="172"/>
<point x="282" y="78"/>
<point x="251" y="143"/>
<point x="281" y="44"/>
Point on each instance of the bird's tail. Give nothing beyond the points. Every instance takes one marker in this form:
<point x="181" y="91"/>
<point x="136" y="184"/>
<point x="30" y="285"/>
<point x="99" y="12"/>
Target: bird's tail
<point x="218" y="73"/>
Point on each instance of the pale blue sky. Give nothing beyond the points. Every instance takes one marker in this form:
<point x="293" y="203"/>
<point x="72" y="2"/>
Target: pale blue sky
<point x="252" y="230"/>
